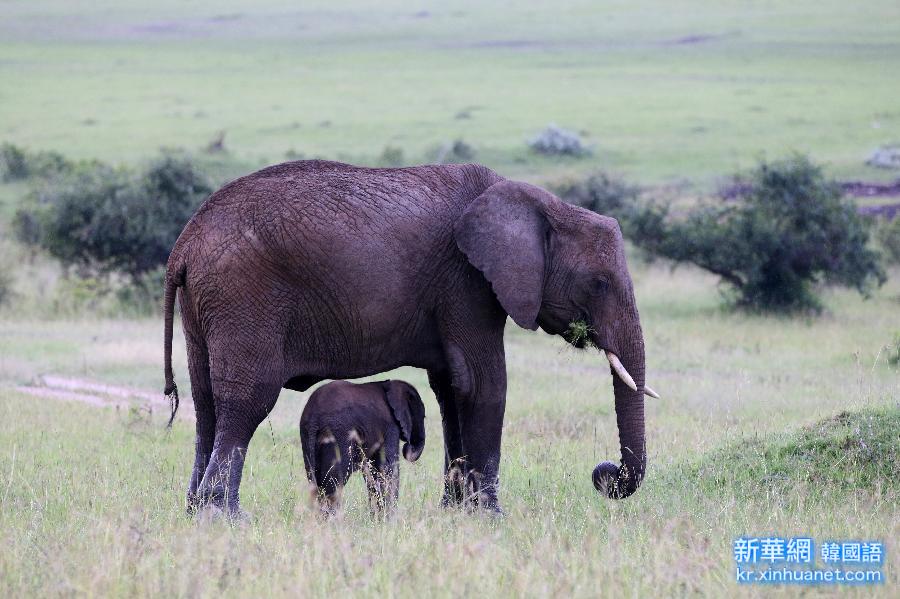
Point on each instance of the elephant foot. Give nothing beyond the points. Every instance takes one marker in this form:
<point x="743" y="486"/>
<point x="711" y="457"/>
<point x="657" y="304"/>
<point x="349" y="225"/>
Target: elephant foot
<point x="454" y="488"/>
<point x="329" y="511"/>
<point x="484" y="503"/>
<point x="469" y="491"/>
<point x="450" y="501"/>
<point x="194" y="504"/>
<point x="212" y="507"/>
<point x="212" y="513"/>
<point x="481" y="496"/>
<point x="209" y="513"/>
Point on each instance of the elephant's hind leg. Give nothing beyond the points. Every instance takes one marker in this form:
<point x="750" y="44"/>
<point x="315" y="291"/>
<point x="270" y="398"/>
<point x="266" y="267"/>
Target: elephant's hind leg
<point x="383" y="480"/>
<point x="201" y="392"/>
<point x="454" y="476"/>
<point x="333" y="467"/>
<point x="245" y="389"/>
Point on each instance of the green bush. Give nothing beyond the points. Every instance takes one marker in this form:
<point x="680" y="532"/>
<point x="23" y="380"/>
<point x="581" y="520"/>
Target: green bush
<point x="6" y="284"/>
<point x="79" y="294"/>
<point x="454" y="152"/>
<point x="144" y="293"/>
<point x="391" y="156"/>
<point x="17" y="164"/>
<point x="102" y="219"/>
<point x="791" y="230"/>
<point x="894" y="351"/>
<point x="602" y="193"/>
<point x="888" y="234"/>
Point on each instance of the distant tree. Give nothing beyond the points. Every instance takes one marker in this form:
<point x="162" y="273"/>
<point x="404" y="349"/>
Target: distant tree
<point x="6" y="283"/>
<point x="18" y="164"/>
<point x="888" y="234"/>
<point x="602" y="193"/>
<point x="790" y="230"/>
<point x="106" y="219"/>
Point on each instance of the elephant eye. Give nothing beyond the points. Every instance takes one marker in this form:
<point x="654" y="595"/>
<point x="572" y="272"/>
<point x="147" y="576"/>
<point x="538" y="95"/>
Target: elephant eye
<point x="600" y="285"/>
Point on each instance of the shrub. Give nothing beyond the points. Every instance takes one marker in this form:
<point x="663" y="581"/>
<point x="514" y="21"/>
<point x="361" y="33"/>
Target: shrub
<point x="144" y="293"/>
<point x="17" y="164"/>
<point x="791" y="230"/>
<point x="6" y="284"/>
<point x="888" y="234"/>
<point x="556" y="141"/>
<point x="103" y="219"/>
<point x="894" y="351"/>
<point x="885" y="157"/>
<point x="457" y="151"/>
<point x="391" y="156"/>
<point x="217" y="144"/>
<point x="601" y="193"/>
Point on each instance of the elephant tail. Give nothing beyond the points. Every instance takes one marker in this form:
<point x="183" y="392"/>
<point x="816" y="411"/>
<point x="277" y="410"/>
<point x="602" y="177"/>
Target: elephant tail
<point x="173" y="281"/>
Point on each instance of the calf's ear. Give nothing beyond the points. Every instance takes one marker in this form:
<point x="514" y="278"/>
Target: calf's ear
<point x="395" y="394"/>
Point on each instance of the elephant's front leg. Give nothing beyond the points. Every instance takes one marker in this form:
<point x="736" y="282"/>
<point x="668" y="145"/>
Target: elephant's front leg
<point x="383" y="482"/>
<point x="480" y="394"/>
<point x="454" y="477"/>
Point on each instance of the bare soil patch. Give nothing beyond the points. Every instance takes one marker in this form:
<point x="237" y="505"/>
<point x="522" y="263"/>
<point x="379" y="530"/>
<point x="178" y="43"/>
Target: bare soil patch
<point x="862" y="189"/>
<point x="856" y="189"/>
<point x="100" y="395"/>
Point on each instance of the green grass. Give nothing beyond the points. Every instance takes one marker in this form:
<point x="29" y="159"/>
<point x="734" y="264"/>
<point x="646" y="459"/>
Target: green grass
<point x="767" y="425"/>
<point x="744" y="397"/>
<point x="847" y="452"/>
<point x="115" y="80"/>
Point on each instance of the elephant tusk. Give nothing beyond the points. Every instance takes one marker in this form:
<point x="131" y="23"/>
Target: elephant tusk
<point x="620" y="370"/>
<point x="650" y="392"/>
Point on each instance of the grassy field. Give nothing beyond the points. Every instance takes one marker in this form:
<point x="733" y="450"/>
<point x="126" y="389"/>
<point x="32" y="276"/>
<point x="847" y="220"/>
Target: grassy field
<point x="665" y="91"/>
<point x="767" y="425"/>
<point x="91" y="497"/>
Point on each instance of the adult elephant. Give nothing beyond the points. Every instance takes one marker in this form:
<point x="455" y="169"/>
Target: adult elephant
<point x="317" y="270"/>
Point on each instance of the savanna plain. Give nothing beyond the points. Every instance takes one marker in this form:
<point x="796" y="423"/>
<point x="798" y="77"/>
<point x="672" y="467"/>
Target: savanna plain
<point x="768" y="424"/>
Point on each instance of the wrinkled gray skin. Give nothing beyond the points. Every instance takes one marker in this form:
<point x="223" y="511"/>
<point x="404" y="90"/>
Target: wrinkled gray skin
<point x="346" y="427"/>
<point x="317" y="270"/>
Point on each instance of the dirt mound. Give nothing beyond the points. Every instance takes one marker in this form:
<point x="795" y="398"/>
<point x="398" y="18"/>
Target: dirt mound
<point x="851" y="451"/>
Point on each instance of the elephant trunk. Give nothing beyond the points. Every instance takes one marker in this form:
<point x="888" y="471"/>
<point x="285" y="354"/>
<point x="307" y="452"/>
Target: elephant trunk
<point x="412" y="450"/>
<point x="416" y="444"/>
<point x="621" y="481"/>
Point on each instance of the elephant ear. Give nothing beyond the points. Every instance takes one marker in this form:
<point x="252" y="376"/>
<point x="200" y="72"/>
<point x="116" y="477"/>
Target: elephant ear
<point x="395" y="394"/>
<point x="502" y="233"/>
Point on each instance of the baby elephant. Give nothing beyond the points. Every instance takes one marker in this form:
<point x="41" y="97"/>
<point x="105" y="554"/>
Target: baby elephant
<point x="346" y="427"/>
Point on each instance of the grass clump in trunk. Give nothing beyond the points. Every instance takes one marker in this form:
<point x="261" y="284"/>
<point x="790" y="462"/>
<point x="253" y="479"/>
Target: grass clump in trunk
<point x="579" y="334"/>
